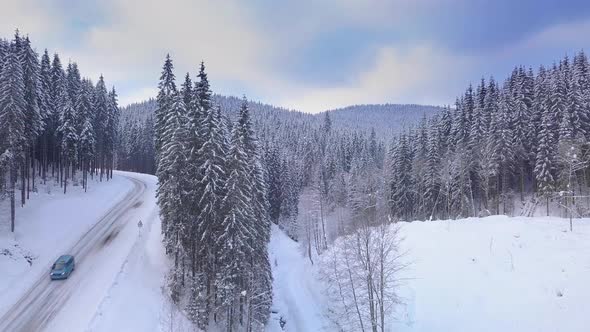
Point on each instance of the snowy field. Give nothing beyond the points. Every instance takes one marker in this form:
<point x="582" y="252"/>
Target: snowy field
<point x="497" y="274"/>
<point x="490" y="274"/>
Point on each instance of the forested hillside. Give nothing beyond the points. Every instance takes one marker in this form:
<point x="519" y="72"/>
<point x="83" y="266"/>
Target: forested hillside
<point x="502" y="143"/>
<point x="54" y="124"/>
<point x="498" y="150"/>
<point x="136" y="126"/>
<point x="503" y="148"/>
<point x="386" y="119"/>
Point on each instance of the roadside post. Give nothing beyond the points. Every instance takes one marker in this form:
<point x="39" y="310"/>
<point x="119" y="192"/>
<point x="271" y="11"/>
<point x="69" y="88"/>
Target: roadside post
<point x="139" y="226"/>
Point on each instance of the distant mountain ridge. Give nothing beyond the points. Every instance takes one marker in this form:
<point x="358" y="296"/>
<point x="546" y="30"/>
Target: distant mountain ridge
<point x="386" y="119"/>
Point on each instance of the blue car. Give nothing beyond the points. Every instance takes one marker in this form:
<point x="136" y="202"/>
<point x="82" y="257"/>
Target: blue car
<point x="63" y="267"/>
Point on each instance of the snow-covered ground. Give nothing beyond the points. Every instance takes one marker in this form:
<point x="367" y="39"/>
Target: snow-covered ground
<point x="497" y="274"/>
<point x="489" y="274"/>
<point x="297" y="297"/>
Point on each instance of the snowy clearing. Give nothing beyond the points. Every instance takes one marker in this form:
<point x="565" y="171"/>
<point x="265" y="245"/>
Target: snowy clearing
<point x="489" y="274"/>
<point x="497" y="274"/>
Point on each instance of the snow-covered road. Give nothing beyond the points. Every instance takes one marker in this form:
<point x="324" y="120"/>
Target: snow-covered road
<point x="101" y="252"/>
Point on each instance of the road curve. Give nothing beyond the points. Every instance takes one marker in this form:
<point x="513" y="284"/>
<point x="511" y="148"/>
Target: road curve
<point x="37" y="307"/>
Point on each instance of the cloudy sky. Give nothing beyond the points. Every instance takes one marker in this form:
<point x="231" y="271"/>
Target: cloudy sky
<point x="309" y="55"/>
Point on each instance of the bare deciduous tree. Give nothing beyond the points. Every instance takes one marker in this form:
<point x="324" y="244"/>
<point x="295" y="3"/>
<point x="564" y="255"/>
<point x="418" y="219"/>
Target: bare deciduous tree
<point x="361" y="273"/>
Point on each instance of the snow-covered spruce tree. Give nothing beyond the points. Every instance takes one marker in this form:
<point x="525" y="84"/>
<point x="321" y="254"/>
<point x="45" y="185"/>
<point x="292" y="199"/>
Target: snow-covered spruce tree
<point x="45" y="105"/>
<point x="235" y="242"/>
<point x="259" y="297"/>
<point x="244" y="278"/>
<point x="460" y="197"/>
<point x="210" y="190"/>
<point x="214" y="212"/>
<point x="576" y="108"/>
<point x="502" y="140"/>
<point x="111" y="132"/>
<point x="172" y="197"/>
<point x="12" y="120"/>
<point x="196" y="112"/>
<point x="167" y="89"/>
<point x="69" y="139"/>
<point x="544" y="166"/>
<point x="581" y="87"/>
<point x="477" y="132"/>
<point x="33" y="123"/>
<point x="521" y="97"/>
<point x="274" y="180"/>
<point x="57" y="91"/>
<point x="290" y="199"/>
<point x="101" y="116"/>
<point x="489" y="161"/>
<point x="401" y="191"/>
<point x="86" y="134"/>
<point x="432" y="176"/>
<point x="202" y="89"/>
<point x="186" y="90"/>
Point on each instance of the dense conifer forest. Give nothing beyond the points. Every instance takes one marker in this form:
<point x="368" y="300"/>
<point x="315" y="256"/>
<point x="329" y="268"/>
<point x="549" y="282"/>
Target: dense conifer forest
<point x="501" y="149"/>
<point x="213" y="204"/>
<point x="55" y="125"/>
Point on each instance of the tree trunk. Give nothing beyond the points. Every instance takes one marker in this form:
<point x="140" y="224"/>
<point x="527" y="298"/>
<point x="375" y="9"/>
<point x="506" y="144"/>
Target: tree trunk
<point x="33" y="167"/>
<point x="23" y="193"/>
<point x="66" y="165"/>
<point x="12" y="197"/>
<point x="28" y="170"/>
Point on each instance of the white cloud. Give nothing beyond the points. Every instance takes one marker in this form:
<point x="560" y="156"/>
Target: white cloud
<point x="396" y="76"/>
<point x="237" y="47"/>
<point x="129" y="43"/>
<point x="138" y="34"/>
<point x="39" y="19"/>
<point x="138" y="95"/>
<point x="566" y="35"/>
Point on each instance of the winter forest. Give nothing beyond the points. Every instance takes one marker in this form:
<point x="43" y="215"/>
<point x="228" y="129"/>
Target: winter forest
<point x="212" y="195"/>
<point x="54" y="124"/>
<point x="231" y="171"/>
<point x="503" y="148"/>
